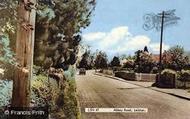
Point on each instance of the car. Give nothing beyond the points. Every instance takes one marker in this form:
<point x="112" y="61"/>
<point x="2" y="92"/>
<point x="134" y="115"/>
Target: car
<point x="82" y="71"/>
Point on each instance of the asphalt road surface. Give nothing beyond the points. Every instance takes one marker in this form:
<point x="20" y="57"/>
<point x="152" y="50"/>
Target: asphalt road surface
<point x="101" y="92"/>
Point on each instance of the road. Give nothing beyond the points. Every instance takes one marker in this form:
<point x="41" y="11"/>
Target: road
<point x="101" y="92"/>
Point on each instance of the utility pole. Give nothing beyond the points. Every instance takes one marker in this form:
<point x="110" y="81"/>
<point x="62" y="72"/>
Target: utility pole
<point x="161" y="43"/>
<point x="24" y="53"/>
<point x="158" y="22"/>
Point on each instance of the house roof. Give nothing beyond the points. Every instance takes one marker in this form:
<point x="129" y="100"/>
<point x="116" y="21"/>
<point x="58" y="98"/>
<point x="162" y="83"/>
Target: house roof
<point x="156" y="57"/>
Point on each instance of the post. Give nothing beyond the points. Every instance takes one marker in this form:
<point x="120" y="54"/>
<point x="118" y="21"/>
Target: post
<point x="24" y="53"/>
<point x="161" y="42"/>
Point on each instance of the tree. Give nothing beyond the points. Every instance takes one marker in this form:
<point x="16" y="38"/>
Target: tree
<point x="101" y="60"/>
<point x="128" y="62"/>
<point x="84" y="61"/>
<point x="59" y="34"/>
<point x="59" y="25"/>
<point x="175" y="59"/>
<point x="143" y="62"/>
<point x="145" y="49"/>
<point x="115" y="62"/>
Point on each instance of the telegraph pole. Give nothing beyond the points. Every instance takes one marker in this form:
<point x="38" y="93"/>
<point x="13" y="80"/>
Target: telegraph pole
<point x="24" y="53"/>
<point x="158" y="22"/>
<point x="161" y="43"/>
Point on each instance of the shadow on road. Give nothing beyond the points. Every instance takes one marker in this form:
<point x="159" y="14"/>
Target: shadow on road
<point x="133" y="88"/>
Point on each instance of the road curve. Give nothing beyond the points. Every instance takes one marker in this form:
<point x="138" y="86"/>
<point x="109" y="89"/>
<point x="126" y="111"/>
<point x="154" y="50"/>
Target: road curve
<point x="102" y="92"/>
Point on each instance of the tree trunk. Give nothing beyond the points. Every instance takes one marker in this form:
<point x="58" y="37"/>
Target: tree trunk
<point x="24" y="56"/>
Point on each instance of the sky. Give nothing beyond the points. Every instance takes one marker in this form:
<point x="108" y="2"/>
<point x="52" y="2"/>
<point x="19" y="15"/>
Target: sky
<point x="117" y="26"/>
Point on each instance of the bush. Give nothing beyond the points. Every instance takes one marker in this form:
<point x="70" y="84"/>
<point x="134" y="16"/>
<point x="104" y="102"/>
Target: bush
<point x="154" y="70"/>
<point x="41" y="91"/>
<point x="5" y="92"/>
<point x="184" y="75"/>
<point x="168" y="78"/>
<point x="125" y="75"/>
<point x="168" y="71"/>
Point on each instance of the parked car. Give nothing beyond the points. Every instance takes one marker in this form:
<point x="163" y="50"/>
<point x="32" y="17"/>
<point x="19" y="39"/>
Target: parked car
<point x="82" y="71"/>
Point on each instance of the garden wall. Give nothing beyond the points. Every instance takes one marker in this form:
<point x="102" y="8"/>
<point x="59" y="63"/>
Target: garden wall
<point x="145" y="77"/>
<point x="136" y="76"/>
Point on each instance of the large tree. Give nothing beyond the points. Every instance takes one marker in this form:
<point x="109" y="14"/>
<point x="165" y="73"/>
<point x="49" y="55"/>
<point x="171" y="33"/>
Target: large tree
<point x="175" y="58"/>
<point x="101" y="60"/>
<point x="87" y="60"/>
<point x="143" y="62"/>
<point x="59" y="33"/>
<point x="115" y="62"/>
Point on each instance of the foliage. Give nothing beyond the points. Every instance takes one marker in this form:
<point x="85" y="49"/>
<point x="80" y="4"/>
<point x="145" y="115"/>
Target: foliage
<point x="70" y="107"/>
<point x="175" y="59"/>
<point x="115" y="62"/>
<point x="70" y="73"/>
<point x="184" y="75"/>
<point x="62" y="101"/>
<point x="145" y="49"/>
<point x="143" y="61"/>
<point x="5" y="92"/>
<point x="59" y="32"/>
<point x="129" y="64"/>
<point x="6" y="55"/>
<point x="154" y="70"/>
<point x="57" y="22"/>
<point x="7" y="59"/>
<point x="87" y="60"/>
<point x="168" y="71"/>
<point x="101" y="60"/>
<point x="168" y="77"/>
<point x="8" y="20"/>
<point x="42" y="91"/>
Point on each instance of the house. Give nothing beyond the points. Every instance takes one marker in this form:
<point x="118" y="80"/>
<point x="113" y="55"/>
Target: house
<point x="156" y="58"/>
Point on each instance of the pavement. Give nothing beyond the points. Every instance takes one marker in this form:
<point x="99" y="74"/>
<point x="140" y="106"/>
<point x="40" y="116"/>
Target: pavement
<point x="100" y="91"/>
<point x="181" y="93"/>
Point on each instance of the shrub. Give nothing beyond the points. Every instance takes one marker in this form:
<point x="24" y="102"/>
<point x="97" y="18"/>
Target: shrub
<point x="5" y="92"/>
<point x="154" y="70"/>
<point x="167" y="78"/>
<point x="168" y="71"/>
<point x="41" y="91"/>
<point x="184" y="75"/>
<point x="125" y="75"/>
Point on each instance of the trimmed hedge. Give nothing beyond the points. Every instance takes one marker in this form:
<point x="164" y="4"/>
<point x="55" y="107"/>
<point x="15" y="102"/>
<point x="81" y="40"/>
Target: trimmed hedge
<point x="168" y="78"/>
<point x="126" y="75"/>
